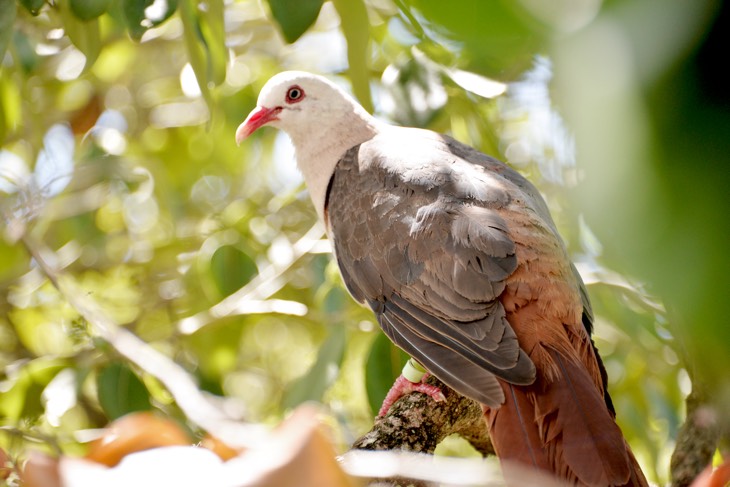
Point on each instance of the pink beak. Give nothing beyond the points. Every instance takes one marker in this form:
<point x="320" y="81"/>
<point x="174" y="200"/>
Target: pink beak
<point x="258" y="117"/>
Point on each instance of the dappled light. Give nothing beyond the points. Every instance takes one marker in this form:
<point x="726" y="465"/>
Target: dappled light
<point x="148" y="263"/>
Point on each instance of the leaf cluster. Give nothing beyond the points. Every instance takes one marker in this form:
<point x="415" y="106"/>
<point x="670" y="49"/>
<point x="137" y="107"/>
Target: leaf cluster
<point x="116" y="123"/>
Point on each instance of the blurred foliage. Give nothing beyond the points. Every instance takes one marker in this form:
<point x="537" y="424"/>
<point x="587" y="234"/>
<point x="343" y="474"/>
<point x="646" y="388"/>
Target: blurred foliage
<point x="117" y="120"/>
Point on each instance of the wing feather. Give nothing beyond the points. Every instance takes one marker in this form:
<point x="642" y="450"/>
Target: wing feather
<point x="420" y="238"/>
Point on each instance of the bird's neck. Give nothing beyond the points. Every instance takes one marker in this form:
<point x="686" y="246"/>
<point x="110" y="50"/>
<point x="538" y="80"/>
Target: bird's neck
<point x="319" y="151"/>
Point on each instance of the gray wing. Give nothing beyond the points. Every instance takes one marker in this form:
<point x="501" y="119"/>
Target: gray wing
<point x="418" y="236"/>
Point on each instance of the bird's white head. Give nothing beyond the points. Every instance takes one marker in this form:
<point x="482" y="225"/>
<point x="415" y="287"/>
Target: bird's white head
<point x="301" y="104"/>
<point x="321" y="119"/>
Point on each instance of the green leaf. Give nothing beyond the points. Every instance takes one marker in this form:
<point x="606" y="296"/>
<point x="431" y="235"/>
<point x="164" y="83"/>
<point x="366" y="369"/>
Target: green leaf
<point x="195" y="44"/>
<point x="21" y="394"/>
<point x="231" y="268"/>
<point x="213" y="35"/>
<point x="33" y="6"/>
<point x="121" y="391"/>
<point x="312" y="385"/>
<point x="8" y="11"/>
<point x="204" y="36"/>
<point x="383" y="366"/>
<point x="296" y="16"/>
<point x="218" y="351"/>
<point x="497" y="38"/>
<point x="353" y="22"/>
<point x="89" y="9"/>
<point x="26" y="55"/>
<point x="84" y="35"/>
<point x="10" y="98"/>
<point x="137" y="19"/>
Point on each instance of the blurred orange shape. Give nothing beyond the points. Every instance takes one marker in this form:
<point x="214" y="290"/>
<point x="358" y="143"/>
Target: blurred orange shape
<point x="296" y="454"/>
<point x="215" y="445"/>
<point x="40" y="470"/>
<point x="135" y="432"/>
<point x="719" y="477"/>
<point x="5" y="466"/>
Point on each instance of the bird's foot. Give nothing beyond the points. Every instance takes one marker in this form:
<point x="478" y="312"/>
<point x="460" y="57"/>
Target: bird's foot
<point x="403" y="385"/>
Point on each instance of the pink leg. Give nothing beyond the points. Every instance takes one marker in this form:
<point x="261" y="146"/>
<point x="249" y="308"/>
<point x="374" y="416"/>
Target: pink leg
<point x="403" y="386"/>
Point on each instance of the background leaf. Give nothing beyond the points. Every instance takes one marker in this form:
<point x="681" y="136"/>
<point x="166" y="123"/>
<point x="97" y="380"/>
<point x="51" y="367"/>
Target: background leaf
<point x="497" y="38"/>
<point x="294" y="16"/>
<point x="357" y="35"/>
<point x="231" y="269"/>
<point x="136" y="18"/>
<point x="205" y="44"/>
<point x="8" y="11"/>
<point x="121" y="391"/>
<point x="55" y="164"/>
<point x="85" y="35"/>
<point x="89" y="9"/>
<point x="33" y="6"/>
<point x="213" y="32"/>
<point x="312" y="385"/>
<point x="384" y="364"/>
<point x="21" y="394"/>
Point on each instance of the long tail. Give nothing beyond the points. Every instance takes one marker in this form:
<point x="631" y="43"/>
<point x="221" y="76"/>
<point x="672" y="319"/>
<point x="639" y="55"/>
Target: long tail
<point x="563" y="426"/>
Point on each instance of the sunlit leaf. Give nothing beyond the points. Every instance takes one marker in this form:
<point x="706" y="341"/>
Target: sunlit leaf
<point x="84" y="34"/>
<point x="21" y="392"/>
<point x="54" y="167"/>
<point x="60" y="395"/>
<point x="216" y="348"/>
<point x="13" y="172"/>
<point x="312" y="385"/>
<point x="357" y="34"/>
<point x="116" y="290"/>
<point x="10" y="106"/>
<point x="476" y="83"/>
<point x="141" y="15"/>
<point x="89" y="9"/>
<point x="384" y="364"/>
<point x="295" y="16"/>
<point x="121" y="391"/>
<point x="495" y="38"/>
<point x="205" y="43"/>
<point x="42" y="329"/>
<point x="195" y="44"/>
<point x="213" y="33"/>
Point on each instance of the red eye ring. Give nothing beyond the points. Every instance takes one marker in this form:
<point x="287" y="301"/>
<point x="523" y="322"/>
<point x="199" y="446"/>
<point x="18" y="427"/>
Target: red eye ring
<point x="294" y="94"/>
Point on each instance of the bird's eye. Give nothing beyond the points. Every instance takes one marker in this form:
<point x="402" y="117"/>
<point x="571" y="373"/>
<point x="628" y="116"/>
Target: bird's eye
<point x="294" y="94"/>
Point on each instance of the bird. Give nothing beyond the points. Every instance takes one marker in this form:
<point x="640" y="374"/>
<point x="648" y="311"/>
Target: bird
<point x="460" y="261"/>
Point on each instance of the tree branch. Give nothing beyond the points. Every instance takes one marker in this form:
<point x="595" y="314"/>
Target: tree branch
<point x="417" y="423"/>
<point x="696" y="440"/>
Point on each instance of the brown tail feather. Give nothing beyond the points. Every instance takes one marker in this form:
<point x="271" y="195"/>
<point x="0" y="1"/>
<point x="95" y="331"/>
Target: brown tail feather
<point x="564" y="427"/>
<point x="637" y="475"/>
